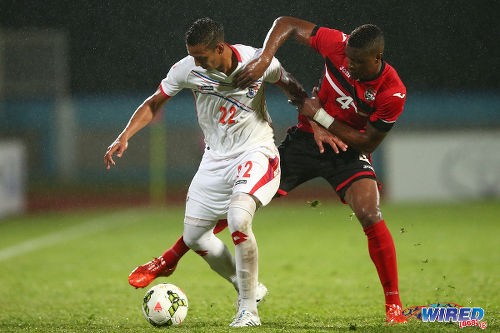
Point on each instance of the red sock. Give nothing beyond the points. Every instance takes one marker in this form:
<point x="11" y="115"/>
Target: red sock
<point x="383" y="254"/>
<point x="221" y="225"/>
<point x="172" y="255"/>
<point x="175" y="253"/>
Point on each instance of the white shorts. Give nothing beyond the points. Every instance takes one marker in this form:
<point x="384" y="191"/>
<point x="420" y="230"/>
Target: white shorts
<point x="256" y="172"/>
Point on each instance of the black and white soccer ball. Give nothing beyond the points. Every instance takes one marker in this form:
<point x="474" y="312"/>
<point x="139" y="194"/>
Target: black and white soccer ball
<point x="165" y="305"/>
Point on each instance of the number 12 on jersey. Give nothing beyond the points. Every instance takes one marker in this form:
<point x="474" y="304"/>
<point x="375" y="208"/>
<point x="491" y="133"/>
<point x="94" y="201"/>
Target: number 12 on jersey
<point x="224" y="115"/>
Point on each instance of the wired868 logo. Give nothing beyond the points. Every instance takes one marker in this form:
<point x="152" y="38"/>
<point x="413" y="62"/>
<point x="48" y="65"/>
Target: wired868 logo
<point x="446" y="312"/>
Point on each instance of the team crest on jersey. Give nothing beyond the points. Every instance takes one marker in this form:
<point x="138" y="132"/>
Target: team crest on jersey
<point x="252" y="91"/>
<point x="370" y="94"/>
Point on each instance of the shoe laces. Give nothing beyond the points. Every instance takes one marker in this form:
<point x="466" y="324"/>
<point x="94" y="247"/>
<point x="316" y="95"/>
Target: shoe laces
<point x="394" y="310"/>
<point x="156" y="264"/>
<point x="241" y="316"/>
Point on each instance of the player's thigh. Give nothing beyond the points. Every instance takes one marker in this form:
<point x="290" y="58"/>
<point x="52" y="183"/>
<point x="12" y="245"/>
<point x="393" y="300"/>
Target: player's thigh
<point x="300" y="158"/>
<point x="210" y="191"/>
<point x="258" y="174"/>
<point x="346" y="169"/>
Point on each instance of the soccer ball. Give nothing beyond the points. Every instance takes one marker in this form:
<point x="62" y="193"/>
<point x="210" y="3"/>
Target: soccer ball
<point x="165" y="305"/>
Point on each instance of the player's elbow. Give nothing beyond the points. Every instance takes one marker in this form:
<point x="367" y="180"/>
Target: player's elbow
<point x="282" y="20"/>
<point x="370" y="141"/>
<point x="370" y="149"/>
<point x="287" y="22"/>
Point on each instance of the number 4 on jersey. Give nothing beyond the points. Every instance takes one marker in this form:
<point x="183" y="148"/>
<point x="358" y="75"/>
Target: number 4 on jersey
<point x="345" y="102"/>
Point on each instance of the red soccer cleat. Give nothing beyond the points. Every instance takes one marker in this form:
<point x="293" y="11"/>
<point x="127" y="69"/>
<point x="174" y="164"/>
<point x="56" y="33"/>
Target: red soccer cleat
<point x="143" y="275"/>
<point x="394" y="314"/>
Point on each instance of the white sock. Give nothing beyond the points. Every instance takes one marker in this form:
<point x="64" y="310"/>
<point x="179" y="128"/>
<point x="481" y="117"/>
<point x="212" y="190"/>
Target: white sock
<point x="199" y="236"/>
<point x="239" y="217"/>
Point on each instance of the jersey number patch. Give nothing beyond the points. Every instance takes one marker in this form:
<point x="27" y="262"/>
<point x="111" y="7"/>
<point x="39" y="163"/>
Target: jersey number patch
<point x="232" y="112"/>
<point x="345" y="102"/>
<point x="248" y="166"/>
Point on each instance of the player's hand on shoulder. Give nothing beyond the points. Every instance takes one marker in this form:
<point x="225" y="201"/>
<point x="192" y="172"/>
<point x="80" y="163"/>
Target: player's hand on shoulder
<point x="118" y="146"/>
<point x="252" y="71"/>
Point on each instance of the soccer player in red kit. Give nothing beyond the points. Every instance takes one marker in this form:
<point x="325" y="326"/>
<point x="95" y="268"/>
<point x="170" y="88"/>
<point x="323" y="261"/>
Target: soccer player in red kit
<point x="360" y="99"/>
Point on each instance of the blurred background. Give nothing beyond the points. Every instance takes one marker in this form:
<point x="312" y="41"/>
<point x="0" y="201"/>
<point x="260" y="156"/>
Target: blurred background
<point x="72" y="73"/>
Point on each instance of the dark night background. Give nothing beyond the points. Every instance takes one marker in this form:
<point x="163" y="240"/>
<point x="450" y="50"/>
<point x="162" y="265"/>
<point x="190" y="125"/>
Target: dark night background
<point x="123" y="46"/>
<point x="446" y="53"/>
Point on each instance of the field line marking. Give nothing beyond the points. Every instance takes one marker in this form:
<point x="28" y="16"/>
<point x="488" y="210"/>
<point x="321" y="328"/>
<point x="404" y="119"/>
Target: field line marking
<point x="85" y="228"/>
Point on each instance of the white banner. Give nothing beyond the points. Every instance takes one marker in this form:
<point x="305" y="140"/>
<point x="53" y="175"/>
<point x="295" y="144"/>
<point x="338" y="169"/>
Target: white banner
<point x="442" y="165"/>
<point x="12" y="178"/>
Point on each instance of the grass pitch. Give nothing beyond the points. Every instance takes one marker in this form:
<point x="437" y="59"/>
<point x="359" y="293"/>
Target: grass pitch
<point x="67" y="272"/>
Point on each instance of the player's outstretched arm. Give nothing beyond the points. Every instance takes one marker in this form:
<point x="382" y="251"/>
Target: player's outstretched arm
<point x="283" y="27"/>
<point x="365" y="142"/>
<point x="141" y="117"/>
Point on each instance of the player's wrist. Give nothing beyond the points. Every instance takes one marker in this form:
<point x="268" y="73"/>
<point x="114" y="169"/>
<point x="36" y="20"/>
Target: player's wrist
<point x="323" y="118"/>
<point x="265" y="57"/>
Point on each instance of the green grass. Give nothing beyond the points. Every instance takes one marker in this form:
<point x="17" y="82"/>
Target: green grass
<point x="313" y="260"/>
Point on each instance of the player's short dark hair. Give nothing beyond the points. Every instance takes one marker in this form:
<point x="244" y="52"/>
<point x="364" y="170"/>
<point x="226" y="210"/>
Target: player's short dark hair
<point x="366" y="36"/>
<point x="205" y="31"/>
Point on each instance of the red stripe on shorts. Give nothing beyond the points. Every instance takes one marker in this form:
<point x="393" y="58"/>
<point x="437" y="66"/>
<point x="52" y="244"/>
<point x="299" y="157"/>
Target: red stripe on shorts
<point x="363" y="173"/>
<point x="274" y="164"/>
<point x="281" y="192"/>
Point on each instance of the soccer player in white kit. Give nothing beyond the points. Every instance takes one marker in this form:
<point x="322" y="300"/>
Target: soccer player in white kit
<point x="240" y="169"/>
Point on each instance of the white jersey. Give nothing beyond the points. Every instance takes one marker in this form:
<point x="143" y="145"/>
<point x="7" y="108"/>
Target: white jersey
<point x="232" y="120"/>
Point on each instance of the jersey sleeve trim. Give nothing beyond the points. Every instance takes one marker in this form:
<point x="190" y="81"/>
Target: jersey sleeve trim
<point x="382" y="125"/>
<point x="314" y="31"/>
<point x="163" y="92"/>
<point x="313" y="37"/>
<point x="280" y="79"/>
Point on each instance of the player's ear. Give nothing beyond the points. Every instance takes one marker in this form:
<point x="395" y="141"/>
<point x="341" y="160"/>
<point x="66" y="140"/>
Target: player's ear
<point x="220" y="47"/>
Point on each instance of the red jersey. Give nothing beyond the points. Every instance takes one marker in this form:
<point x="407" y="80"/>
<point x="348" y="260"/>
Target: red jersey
<point x="354" y="102"/>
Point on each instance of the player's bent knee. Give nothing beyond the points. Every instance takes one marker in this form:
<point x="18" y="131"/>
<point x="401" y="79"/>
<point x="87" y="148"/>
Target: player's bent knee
<point x="241" y="210"/>
<point x="367" y="218"/>
<point x="195" y="230"/>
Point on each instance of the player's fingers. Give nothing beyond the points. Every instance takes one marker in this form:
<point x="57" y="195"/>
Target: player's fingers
<point x="237" y="79"/>
<point x="241" y="80"/>
<point x="320" y="146"/>
<point x="340" y="143"/>
<point x="108" y="160"/>
<point x="245" y="83"/>
<point x="334" y="146"/>
<point x="121" y="147"/>
<point x="315" y="92"/>
<point x="120" y="151"/>
<point x="111" y="149"/>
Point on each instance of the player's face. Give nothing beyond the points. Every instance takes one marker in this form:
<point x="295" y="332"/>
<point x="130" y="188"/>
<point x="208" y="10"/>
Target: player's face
<point x="205" y="56"/>
<point x="362" y="64"/>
